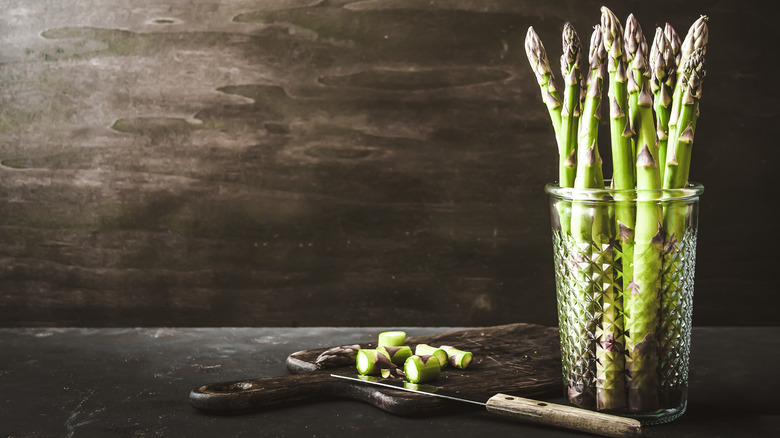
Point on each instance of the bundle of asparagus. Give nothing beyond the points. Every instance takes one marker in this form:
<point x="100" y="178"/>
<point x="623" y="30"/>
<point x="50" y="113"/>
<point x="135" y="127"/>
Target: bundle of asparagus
<point x="617" y="338"/>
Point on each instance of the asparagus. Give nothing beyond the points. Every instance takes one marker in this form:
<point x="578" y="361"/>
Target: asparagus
<point x="336" y="356"/>
<point x="620" y="129"/>
<point x="570" y="70"/>
<point x="642" y="298"/>
<point x="393" y="338"/>
<point x="537" y="57"/>
<point x="622" y="159"/>
<point x="697" y="38"/>
<point x="428" y="350"/>
<point x="397" y="355"/>
<point x="636" y="61"/>
<point x="593" y="257"/>
<point x="672" y="336"/>
<point x="371" y="361"/>
<point x="663" y="70"/>
<point x="678" y="162"/>
<point x="420" y="369"/>
<point x="458" y="358"/>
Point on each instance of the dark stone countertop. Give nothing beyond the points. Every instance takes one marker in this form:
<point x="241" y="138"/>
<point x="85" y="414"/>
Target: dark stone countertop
<point x="131" y="382"/>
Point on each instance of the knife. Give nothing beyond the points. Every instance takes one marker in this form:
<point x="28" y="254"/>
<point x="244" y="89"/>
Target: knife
<point x="524" y="409"/>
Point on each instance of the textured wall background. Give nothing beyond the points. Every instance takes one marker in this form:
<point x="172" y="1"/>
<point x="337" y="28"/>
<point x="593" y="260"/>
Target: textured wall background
<point x="303" y="162"/>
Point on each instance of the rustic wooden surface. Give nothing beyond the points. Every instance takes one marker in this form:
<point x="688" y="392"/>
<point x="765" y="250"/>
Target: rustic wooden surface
<point x="518" y="359"/>
<point x="134" y="382"/>
<point x="333" y="162"/>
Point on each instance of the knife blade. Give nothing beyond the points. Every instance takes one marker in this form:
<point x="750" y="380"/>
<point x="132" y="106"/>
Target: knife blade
<point x="520" y="408"/>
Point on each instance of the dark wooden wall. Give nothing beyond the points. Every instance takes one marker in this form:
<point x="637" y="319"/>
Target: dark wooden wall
<point x="300" y="162"/>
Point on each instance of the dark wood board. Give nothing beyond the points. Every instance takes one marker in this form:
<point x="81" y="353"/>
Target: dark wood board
<point x="519" y="359"/>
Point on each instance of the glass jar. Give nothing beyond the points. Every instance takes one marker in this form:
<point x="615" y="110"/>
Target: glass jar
<point x="624" y="271"/>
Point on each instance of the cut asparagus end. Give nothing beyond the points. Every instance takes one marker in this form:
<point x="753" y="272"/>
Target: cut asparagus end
<point x="393" y="338"/>
<point x="397" y="355"/>
<point x="428" y="350"/>
<point x="458" y="358"/>
<point x="419" y="369"/>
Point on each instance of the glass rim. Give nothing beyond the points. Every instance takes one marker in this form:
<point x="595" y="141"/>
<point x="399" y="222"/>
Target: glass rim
<point x="690" y="192"/>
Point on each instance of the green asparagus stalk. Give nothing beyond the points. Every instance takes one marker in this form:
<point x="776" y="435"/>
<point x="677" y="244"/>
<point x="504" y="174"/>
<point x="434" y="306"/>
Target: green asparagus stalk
<point x="676" y="217"/>
<point x="620" y="129"/>
<point x="663" y="73"/>
<point x="540" y="65"/>
<point x="592" y="235"/>
<point x="697" y="38"/>
<point x="642" y="298"/>
<point x="572" y="77"/>
<point x="678" y="162"/>
<point x="537" y="57"/>
<point x="635" y="46"/>
<point x="623" y="162"/>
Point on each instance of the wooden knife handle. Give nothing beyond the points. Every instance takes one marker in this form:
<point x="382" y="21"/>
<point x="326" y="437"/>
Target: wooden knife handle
<point x="255" y="394"/>
<point x="568" y="417"/>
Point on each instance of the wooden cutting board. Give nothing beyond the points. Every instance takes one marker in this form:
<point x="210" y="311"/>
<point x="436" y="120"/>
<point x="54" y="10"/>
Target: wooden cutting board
<point x="517" y="359"/>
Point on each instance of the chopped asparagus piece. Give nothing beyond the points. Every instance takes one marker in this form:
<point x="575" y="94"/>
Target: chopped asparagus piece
<point x="428" y="350"/>
<point x="397" y="355"/>
<point x="420" y="369"/>
<point x="371" y="362"/>
<point x="458" y="358"/>
<point x="394" y="338"/>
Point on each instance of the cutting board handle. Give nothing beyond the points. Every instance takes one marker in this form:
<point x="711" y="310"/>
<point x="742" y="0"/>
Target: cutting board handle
<point x="256" y="394"/>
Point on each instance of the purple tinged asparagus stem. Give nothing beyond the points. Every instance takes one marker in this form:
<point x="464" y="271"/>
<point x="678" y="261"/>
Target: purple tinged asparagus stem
<point x="663" y="74"/>
<point x="572" y="77"/>
<point x="591" y="250"/>
<point x="676" y="217"/>
<point x="537" y="57"/>
<point x="623" y="161"/>
<point x="636" y="53"/>
<point x="697" y="38"/>
<point x="642" y="299"/>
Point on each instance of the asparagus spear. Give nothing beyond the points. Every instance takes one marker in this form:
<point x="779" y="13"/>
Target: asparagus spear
<point x="622" y="155"/>
<point x="642" y="299"/>
<point x="620" y="129"/>
<point x="663" y="73"/>
<point x="678" y="162"/>
<point x="572" y="77"/>
<point x="635" y="47"/>
<point x="697" y="38"/>
<point x="592" y="234"/>
<point x="672" y="335"/>
<point x="537" y="57"/>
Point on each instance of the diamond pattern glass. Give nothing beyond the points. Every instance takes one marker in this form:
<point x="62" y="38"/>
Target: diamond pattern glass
<point x="624" y="303"/>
